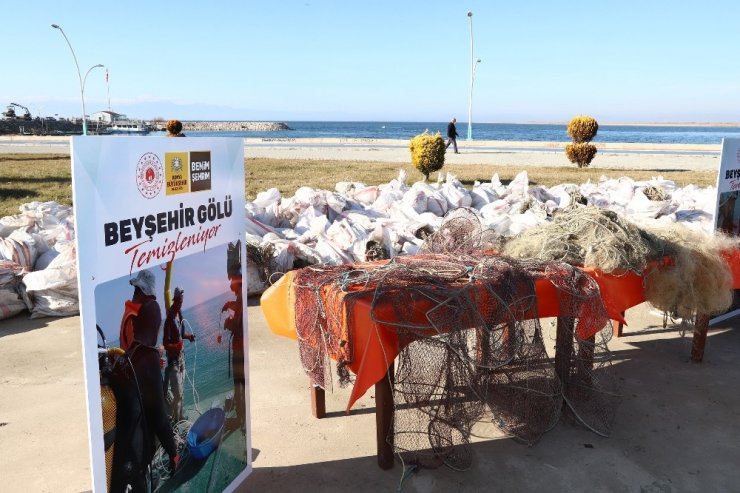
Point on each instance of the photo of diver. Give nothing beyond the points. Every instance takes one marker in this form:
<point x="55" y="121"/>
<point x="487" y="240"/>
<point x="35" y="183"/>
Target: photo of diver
<point x="173" y="395"/>
<point x="173" y="340"/>
<point x="728" y="217"/>
<point x="235" y="325"/>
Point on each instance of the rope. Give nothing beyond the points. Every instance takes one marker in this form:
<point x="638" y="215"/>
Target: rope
<point x="196" y="396"/>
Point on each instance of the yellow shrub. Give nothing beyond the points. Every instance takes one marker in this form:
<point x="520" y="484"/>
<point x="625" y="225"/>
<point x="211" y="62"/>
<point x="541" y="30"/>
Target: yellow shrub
<point x="427" y="153"/>
<point x="582" y="129"/>
<point x="580" y="153"/>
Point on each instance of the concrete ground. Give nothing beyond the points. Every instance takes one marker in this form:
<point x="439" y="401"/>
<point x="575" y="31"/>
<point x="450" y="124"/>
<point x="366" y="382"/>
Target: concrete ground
<point x="677" y="429"/>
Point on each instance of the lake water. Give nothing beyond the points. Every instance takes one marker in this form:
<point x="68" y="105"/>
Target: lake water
<point x="489" y="131"/>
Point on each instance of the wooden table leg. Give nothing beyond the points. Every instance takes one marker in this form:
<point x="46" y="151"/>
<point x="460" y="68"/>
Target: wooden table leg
<point x="384" y="419"/>
<point x="617" y="331"/>
<point x="701" y="325"/>
<point x="318" y="402"/>
<point x="564" y="349"/>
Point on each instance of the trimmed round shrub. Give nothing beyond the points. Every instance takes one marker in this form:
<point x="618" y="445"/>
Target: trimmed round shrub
<point x="427" y="153"/>
<point x="174" y="127"/>
<point x="582" y="129"/>
<point x="580" y="153"/>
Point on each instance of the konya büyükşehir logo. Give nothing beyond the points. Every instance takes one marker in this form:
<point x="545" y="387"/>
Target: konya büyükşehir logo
<point x="177" y="176"/>
<point x="187" y="172"/>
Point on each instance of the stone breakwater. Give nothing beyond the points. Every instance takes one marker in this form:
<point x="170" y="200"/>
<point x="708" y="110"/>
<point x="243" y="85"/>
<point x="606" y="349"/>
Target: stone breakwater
<point x="233" y="126"/>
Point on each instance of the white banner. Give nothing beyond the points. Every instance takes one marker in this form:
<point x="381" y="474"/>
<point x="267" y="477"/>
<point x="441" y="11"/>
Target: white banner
<point x="727" y="215"/>
<point x="727" y="210"/>
<point x="161" y="256"/>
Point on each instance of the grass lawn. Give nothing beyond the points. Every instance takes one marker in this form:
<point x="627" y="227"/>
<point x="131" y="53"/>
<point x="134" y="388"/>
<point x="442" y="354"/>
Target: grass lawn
<point x="47" y="177"/>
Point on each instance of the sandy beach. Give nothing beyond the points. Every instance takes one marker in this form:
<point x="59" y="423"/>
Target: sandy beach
<point x="509" y="153"/>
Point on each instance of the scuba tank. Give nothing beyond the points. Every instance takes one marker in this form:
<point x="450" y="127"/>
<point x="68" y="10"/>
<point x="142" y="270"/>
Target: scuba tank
<point x="124" y="424"/>
<point x="108" y="402"/>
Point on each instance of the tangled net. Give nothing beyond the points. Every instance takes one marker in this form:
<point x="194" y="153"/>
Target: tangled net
<point x="261" y="258"/>
<point x="592" y="237"/>
<point x="696" y="280"/>
<point x="471" y="344"/>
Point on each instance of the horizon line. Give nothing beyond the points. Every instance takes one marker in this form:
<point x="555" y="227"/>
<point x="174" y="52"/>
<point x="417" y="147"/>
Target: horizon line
<point x="460" y="123"/>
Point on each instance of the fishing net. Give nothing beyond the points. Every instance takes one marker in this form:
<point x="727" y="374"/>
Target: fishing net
<point x="259" y="257"/>
<point x="694" y="280"/>
<point x="655" y="193"/>
<point x="589" y="236"/>
<point x="471" y="345"/>
<point x="697" y="280"/>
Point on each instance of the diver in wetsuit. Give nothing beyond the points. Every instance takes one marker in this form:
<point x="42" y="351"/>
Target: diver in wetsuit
<point x="235" y="325"/>
<point x="174" y="334"/>
<point x="143" y="316"/>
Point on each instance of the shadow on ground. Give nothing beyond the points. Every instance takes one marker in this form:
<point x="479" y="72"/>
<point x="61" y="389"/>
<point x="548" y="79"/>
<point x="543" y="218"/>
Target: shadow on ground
<point x="676" y="430"/>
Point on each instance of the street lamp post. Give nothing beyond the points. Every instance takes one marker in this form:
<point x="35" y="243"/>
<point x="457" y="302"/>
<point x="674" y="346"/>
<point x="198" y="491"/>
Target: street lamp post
<point x="79" y="76"/>
<point x="472" y="78"/>
<point x="84" y="80"/>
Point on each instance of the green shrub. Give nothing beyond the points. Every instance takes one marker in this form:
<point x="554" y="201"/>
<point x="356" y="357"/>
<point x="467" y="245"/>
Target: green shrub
<point x="582" y="129"/>
<point x="580" y="153"/>
<point x="427" y="153"/>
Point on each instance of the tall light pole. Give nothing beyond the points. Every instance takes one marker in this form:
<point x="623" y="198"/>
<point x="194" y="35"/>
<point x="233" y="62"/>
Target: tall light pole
<point x="84" y="80"/>
<point x="472" y="78"/>
<point x="107" y="84"/>
<point x="79" y="76"/>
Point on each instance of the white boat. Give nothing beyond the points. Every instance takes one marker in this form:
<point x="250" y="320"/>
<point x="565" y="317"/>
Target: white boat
<point x="127" y="127"/>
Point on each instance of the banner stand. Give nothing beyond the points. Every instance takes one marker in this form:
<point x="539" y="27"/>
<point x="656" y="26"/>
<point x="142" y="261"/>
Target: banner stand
<point x="160" y="229"/>
<point x="727" y="206"/>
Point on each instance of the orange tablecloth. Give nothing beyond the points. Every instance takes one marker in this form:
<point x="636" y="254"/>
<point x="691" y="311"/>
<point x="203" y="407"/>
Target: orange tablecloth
<point x="376" y="346"/>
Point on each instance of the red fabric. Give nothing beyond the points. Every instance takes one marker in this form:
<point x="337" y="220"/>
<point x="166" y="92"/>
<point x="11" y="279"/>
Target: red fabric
<point x="732" y="257"/>
<point x="375" y="350"/>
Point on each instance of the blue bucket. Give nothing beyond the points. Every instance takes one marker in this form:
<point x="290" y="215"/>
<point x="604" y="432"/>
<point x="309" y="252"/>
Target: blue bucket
<point x="205" y="434"/>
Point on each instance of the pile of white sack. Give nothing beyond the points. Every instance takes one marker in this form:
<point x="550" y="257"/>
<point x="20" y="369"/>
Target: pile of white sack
<point x="38" y="262"/>
<point x="320" y="226"/>
<point x="353" y="223"/>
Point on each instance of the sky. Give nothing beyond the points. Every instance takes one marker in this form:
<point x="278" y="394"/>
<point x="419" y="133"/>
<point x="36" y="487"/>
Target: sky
<point x="382" y="60"/>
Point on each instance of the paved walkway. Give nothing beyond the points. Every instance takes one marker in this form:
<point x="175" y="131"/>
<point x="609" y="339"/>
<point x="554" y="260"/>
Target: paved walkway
<point x="676" y="430"/>
<point x="505" y="153"/>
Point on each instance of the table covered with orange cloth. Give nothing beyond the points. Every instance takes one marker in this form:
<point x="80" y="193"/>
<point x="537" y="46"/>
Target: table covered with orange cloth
<point x="375" y="345"/>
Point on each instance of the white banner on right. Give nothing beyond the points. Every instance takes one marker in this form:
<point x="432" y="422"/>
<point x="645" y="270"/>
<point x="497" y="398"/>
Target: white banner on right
<point x="727" y="209"/>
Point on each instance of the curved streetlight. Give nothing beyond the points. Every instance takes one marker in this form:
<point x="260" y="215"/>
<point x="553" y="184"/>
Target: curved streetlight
<point x="79" y="76"/>
<point x="470" y="108"/>
<point x="84" y="80"/>
<point x="472" y="78"/>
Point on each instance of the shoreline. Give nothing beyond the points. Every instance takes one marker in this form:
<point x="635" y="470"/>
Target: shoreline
<point x="22" y="141"/>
